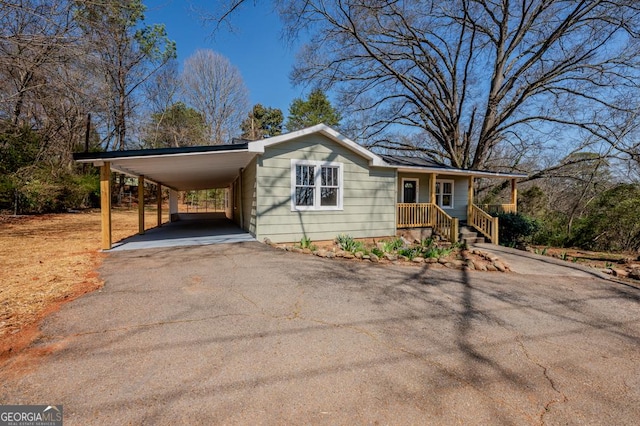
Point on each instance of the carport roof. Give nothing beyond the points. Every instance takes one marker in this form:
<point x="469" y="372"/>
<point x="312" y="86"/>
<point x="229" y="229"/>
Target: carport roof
<point x="186" y="168"/>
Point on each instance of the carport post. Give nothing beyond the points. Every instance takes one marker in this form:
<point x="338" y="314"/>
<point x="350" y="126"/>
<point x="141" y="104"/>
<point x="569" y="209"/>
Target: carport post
<point x="173" y="205"/>
<point x="159" y="197"/>
<point x="105" y="204"/>
<point x="141" y="204"/>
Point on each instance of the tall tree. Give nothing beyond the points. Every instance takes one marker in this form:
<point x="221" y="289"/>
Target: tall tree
<point x="215" y="87"/>
<point x="126" y="51"/>
<point x="470" y="75"/>
<point x="262" y="122"/>
<point x="314" y="110"/>
<point x="178" y="126"/>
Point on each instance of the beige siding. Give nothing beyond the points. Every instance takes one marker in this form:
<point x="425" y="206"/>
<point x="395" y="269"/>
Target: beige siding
<point x="368" y="195"/>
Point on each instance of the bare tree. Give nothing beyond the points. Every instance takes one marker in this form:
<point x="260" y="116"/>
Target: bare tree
<point x="470" y="75"/>
<point x="125" y="51"/>
<point x="215" y="87"/>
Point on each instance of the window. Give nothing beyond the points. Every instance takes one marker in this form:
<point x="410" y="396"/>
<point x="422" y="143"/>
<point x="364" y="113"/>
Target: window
<point x="444" y="193"/>
<point x="316" y="185"/>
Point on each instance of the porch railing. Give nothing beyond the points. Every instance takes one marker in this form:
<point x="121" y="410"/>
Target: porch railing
<point x="499" y="208"/>
<point x="484" y="223"/>
<point x="445" y="225"/>
<point x="414" y="215"/>
<point x="420" y="215"/>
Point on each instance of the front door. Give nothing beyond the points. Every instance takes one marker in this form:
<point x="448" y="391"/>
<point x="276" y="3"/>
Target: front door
<point x="410" y="191"/>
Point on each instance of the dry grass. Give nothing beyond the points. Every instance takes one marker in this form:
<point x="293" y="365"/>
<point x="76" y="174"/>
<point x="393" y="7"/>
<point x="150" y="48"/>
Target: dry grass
<point x="50" y="259"/>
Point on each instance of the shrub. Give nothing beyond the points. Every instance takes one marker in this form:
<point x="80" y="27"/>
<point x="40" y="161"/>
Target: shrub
<point x="409" y="252"/>
<point x="393" y="245"/>
<point x="305" y="242"/>
<point x="515" y="228"/>
<point x="347" y="243"/>
<point x="377" y="252"/>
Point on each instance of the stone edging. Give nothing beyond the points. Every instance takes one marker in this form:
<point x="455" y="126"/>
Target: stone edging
<point x="472" y="260"/>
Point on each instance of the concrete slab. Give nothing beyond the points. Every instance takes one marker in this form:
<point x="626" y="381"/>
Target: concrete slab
<point x="191" y="230"/>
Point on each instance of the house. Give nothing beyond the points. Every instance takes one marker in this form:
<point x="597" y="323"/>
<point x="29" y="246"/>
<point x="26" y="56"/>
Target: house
<point x="315" y="183"/>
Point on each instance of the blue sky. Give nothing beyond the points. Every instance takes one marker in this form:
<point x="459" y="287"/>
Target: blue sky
<point x="255" y="46"/>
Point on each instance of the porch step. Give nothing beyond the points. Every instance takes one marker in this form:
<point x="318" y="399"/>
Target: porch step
<point x="469" y="235"/>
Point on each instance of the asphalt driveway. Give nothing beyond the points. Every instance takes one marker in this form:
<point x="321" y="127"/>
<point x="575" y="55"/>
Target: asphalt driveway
<point x="245" y="334"/>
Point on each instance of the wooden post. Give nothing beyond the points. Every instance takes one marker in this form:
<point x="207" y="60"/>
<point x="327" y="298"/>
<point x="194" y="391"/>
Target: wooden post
<point x="432" y="197"/>
<point x="454" y="230"/>
<point x="159" y="203"/>
<point x="105" y="204"/>
<point x="494" y="229"/>
<point x="140" y="205"/>
<point x="470" y="199"/>
<point x="173" y="205"/>
<point x="514" y="195"/>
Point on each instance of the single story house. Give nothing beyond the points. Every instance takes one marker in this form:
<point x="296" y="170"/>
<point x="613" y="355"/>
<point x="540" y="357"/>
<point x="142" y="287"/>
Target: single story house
<point x="313" y="182"/>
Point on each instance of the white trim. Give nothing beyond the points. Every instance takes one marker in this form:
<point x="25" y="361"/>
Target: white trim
<point x="453" y="190"/>
<point x="141" y="157"/>
<point x="260" y="145"/>
<point x="457" y="172"/>
<point x="317" y="187"/>
<point x="417" y="181"/>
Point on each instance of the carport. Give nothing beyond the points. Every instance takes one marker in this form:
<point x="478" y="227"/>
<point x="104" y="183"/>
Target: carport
<point x="179" y="169"/>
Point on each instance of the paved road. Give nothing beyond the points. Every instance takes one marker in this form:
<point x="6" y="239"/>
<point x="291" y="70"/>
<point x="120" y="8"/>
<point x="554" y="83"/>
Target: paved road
<point x="244" y="334"/>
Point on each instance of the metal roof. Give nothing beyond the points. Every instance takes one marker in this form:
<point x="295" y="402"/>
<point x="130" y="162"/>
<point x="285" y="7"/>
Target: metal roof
<point x="198" y="167"/>
<point x="217" y="166"/>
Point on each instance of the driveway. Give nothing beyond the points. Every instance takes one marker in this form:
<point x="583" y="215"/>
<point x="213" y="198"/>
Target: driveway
<point x="246" y="334"/>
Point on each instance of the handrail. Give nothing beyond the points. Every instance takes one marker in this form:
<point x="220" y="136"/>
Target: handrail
<point x="420" y="215"/>
<point x="499" y="208"/>
<point x="484" y="223"/>
<point x="444" y="224"/>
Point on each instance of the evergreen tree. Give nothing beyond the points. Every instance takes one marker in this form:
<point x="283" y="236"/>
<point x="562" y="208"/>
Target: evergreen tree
<point x="315" y="110"/>
<point x="262" y="122"/>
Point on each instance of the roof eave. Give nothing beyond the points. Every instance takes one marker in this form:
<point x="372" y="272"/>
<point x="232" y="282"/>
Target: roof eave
<point x="459" y="172"/>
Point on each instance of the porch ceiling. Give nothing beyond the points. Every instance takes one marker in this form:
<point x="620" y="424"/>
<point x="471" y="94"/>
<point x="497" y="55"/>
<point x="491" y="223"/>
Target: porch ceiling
<point x="179" y="169"/>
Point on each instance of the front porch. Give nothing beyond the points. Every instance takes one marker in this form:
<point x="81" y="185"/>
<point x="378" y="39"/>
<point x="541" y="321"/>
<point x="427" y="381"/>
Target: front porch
<point x="446" y="223"/>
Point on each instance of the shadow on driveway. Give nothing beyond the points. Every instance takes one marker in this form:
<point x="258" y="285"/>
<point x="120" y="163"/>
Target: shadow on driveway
<point x="242" y="333"/>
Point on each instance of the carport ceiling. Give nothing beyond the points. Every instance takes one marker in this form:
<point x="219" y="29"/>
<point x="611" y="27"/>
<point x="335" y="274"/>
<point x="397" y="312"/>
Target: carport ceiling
<point x="179" y="168"/>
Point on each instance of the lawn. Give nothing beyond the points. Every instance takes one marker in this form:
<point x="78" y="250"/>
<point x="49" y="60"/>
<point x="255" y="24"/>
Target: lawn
<point x="48" y="260"/>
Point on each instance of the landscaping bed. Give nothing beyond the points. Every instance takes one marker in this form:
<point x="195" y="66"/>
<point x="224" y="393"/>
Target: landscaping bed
<point x="429" y="252"/>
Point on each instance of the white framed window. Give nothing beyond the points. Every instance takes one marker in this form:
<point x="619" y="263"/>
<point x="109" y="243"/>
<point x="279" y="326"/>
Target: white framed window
<point x="444" y="193"/>
<point x="316" y="185"/>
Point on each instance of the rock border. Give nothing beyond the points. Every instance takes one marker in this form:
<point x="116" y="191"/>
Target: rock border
<point x="465" y="260"/>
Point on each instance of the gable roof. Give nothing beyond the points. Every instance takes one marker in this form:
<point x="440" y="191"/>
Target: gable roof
<point x="374" y="160"/>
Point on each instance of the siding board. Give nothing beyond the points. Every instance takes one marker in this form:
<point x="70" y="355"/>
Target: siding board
<point x="368" y="194"/>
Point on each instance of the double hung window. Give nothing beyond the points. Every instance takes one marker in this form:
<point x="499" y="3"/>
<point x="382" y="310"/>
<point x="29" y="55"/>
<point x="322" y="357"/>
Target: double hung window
<point x="316" y="185"/>
<point x="444" y="193"/>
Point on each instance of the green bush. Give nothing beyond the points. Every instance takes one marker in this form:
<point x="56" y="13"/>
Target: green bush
<point x="347" y="243"/>
<point x="612" y="221"/>
<point x="515" y="228"/>
<point x="409" y="252"/>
